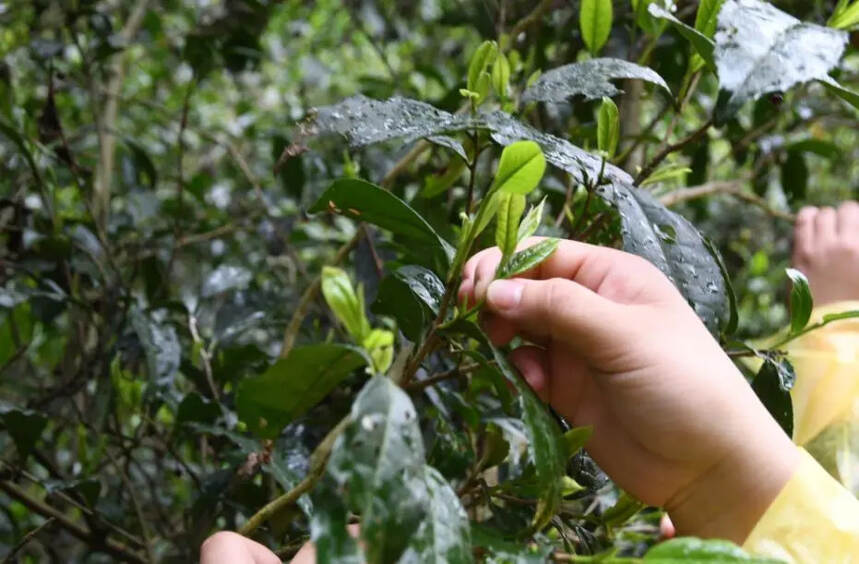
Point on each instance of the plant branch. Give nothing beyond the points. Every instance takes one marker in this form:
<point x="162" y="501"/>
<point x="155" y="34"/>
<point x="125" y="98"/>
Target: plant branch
<point x="664" y="153"/>
<point x="318" y="460"/>
<point x="533" y="17"/>
<point x="10" y="557"/>
<point x="106" y="114"/>
<point x="95" y="540"/>
<point x="731" y="188"/>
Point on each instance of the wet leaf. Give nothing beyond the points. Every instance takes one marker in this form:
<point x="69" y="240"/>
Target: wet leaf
<point x="595" y="19"/>
<point x="590" y="79"/>
<point x="24" y="426"/>
<point x="685" y="550"/>
<point x="364" y="121"/>
<point x="521" y="168"/>
<point x="546" y="447"/>
<point x="411" y="295"/>
<point x="771" y="386"/>
<point x="293" y="385"/>
<point x="377" y="467"/>
<point x="529" y="258"/>
<point x="449" y="143"/>
<point x="510" y="211"/>
<point x="608" y="128"/>
<point x="225" y="277"/>
<point x="801" y="302"/>
<point x="367" y="202"/>
<point x="160" y="344"/>
<point x="673" y="245"/>
<point x="702" y="44"/>
<point x="760" y="49"/>
<point x="444" y="535"/>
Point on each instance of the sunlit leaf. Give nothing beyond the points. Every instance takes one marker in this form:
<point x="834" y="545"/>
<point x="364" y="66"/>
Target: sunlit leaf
<point x="521" y="168"/>
<point x="702" y="44"/>
<point x="531" y="222"/>
<point x="595" y="19"/>
<point x="346" y="304"/>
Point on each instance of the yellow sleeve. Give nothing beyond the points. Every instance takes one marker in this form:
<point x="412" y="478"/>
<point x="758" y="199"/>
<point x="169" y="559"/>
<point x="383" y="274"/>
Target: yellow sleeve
<point x="827" y="375"/>
<point x="814" y="519"/>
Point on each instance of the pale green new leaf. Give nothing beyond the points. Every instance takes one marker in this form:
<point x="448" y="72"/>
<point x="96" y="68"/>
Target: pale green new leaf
<point x="347" y="306"/>
<point x="501" y="75"/>
<point x="528" y="258"/>
<point x="608" y="127"/>
<point x="595" y="17"/>
<point x="846" y="15"/>
<point x="510" y="211"/>
<point x="531" y="222"/>
<point x="707" y="16"/>
<point x="482" y="58"/>
<point x="521" y="168"/>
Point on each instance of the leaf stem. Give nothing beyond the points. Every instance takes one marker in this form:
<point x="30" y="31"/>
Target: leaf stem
<point x="664" y="153"/>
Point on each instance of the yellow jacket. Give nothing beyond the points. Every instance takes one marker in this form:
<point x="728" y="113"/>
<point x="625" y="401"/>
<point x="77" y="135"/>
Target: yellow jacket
<point x="815" y="518"/>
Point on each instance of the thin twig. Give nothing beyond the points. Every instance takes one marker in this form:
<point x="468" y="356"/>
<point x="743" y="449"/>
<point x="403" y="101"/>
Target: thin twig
<point x="664" y="153"/>
<point x="533" y="17"/>
<point x="10" y="557"/>
<point x="95" y="540"/>
<point x="732" y="188"/>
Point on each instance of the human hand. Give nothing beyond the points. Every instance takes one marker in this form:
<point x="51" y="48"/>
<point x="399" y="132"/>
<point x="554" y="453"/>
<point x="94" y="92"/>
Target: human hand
<point x="826" y="250"/>
<point x="618" y="347"/>
<point x="232" y="548"/>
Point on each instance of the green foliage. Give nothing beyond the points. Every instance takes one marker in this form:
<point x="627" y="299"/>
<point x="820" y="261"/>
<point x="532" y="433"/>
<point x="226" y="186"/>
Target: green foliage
<point x="197" y="200"/>
<point x="595" y="19"/>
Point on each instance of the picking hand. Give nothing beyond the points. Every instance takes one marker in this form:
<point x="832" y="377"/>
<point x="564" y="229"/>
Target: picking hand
<point x="616" y="346"/>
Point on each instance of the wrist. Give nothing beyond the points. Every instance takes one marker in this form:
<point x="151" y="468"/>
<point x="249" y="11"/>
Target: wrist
<point x="729" y="499"/>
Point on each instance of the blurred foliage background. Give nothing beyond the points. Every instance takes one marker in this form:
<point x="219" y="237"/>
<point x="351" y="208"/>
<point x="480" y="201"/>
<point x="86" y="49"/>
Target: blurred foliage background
<point x="150" y="257"/>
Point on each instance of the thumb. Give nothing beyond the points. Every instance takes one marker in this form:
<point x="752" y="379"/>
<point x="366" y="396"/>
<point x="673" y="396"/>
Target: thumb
<point x="556" y="309"/>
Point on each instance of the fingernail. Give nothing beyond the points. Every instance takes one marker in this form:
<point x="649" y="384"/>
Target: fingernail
<point x="504" y="294"/>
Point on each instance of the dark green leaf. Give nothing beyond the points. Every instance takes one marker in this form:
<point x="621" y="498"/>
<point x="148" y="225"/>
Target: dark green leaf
<point x="801" y="302"/>
<point x="377" y="467"/>
<point x="25" y="427"/>
<point x="595" y="19"/>
<point x="702" y="44"/>
<point x="444" y="535"/>
<point x="794" y="176"/>
<point x="546" y="446"/>
<point x="529" y="258"/>
<point x="294" y="384"/>
<point x="622" y="511"/>
<point x="691" y="550"/>
<point x="160" y="344"/>
<point x="770" y="389"/>
<point x="195" y="408"/>
<point x="673" y="244"/>
<point x="760" y="49"/>
<point x="88" y="489"/>
<point x="590" y="79"/>
<point x="367" y="202"/>
<point x="411" y="295"/>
